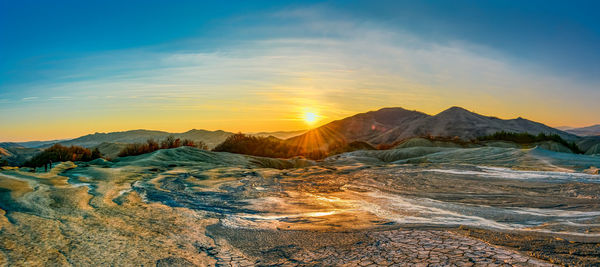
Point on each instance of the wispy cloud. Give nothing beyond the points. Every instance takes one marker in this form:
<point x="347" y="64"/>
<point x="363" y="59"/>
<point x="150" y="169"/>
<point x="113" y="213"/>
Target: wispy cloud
<point x="335" y="65"/>
<point x="55" y="98"/>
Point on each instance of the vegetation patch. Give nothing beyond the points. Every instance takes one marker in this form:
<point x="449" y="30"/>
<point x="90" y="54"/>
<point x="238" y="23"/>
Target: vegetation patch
<point x="59" y="153"/>
<point x="526" y="138"/>
<point x="257" y="146"/>
<point x="151" y="145"/>
<point x="273" y="147"/>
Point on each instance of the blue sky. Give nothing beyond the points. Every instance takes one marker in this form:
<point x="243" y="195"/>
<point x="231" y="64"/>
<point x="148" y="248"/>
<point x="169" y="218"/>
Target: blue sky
<point x="241" y="65"/>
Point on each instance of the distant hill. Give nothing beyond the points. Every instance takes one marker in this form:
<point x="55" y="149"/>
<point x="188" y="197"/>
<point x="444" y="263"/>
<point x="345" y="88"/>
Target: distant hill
<point x="589" y="144"/>
<point x="593" y="130"/>
<point x="385" y="128"/>
<point x="360" y="127"/>
<point x="211" y="138"/>
<point x="4" y="152"/>
<point x="279" y="134"/>
<point x="392" y="125"/>
<point x="110" y="150"/>
<point x="111" y="143"/>
<point x="30" y="144"/>
<point x="16" y="154"/>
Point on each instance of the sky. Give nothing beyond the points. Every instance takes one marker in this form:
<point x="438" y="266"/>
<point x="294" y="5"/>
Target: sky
<point x="69" y="68"/>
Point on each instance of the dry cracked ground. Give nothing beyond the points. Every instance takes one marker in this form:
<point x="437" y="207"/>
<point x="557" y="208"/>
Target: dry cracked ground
<point x="186" y="207"/>
<point x="378" y="248"/>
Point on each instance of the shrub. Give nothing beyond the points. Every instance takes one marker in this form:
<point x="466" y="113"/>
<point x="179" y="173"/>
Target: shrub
<point x="188" y="142"/>
<point x="270" y="147"/>
<point x="135" y="149"/>
<point x="192" y="143"/>
<point x="169" y="142"/>
<point x="58" y="153"/>
<point x="258" y="146"/>
<point x="151" y="146"/>
<point x="3" y="162"/>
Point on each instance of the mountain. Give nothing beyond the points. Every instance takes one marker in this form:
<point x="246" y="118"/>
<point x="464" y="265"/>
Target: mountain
<point x="360" y="127"/>
<point x="211" y="138"/>
<point x="593" y="130"/>
<point x="382" y="127"/>
<point x="110" y="150"/>
<point x="16" y="154"/>
<point x="391" y="125"/>
<point x="279" y="134"/>
<point x="459" y="122"/>
<point x="4" y="152"/>
<point x="564" y="128"/>
<point x="589" y="144"/>
<point x="30" y="144"/>
<point x="111" y="143"/>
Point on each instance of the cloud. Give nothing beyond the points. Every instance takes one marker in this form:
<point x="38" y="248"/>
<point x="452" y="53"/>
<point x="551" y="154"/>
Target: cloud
<point x="54" y="98"/>
<point x="335" y="64"/>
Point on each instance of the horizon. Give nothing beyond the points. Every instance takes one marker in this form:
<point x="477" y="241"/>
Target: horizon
<point x="299" y="133"/>
<point x="265" y="131"/>
<point x="291" y="65"/>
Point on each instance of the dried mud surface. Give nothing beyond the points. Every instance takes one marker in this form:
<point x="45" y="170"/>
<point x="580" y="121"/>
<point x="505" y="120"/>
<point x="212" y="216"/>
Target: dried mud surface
<point x="187" y="207"/>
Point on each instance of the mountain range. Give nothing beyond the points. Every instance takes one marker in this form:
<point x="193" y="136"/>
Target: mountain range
<point x="391" y="125"/>
<point x="211" y="138"/>
<point x="110" y="144"/>
<point x="593" y="130"/>
<point x="382" y="127"/>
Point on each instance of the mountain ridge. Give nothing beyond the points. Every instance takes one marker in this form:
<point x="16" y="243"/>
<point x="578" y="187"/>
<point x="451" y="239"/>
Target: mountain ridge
<point x="391" y="125"/>
<point x="593" y="130"/>
<point x="384" y="126"/>
<point x="211" y="138"/>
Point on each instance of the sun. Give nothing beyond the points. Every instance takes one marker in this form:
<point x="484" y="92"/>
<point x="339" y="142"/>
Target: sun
<point x="310" y="117"/>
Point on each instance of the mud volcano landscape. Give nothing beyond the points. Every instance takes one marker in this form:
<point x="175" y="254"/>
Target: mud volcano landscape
<point x="186" y="207"/>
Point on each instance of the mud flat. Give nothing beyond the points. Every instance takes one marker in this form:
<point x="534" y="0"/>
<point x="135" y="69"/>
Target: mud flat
<point x="363" y="248"/>
<point x="567" y="251"/>
<point x="188" y="207"/>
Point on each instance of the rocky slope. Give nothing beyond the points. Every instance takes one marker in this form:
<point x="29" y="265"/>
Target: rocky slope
<point x="593" y="130"/>
<point x="391" y="125"/>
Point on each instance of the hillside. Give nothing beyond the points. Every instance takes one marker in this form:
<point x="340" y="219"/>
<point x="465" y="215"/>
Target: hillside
<point x="589" y="144"/>
<point x="361" y="127"/>
<point x="593" y="130"/>
<point x="279" y="134"/>
<point x="466" y="125"/>
<point x="15" y="154"/>
<point x="385" y="127"/>
<point x="211" y="138"/>
<point x="4" y="152"/>
<point x="111" y="143"/>
<point x="392" y="125"/>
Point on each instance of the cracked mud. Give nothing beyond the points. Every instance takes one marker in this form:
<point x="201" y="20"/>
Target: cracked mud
<point x="187" y="207"/>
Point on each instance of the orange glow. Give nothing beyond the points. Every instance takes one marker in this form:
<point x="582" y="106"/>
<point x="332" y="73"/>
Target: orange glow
<point x="310" y="117"/>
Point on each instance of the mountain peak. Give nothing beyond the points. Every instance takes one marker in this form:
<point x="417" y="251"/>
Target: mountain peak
<point x="586" y="131"/>
<point x="455" y="109"/>
<point x="390" y="109"/>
